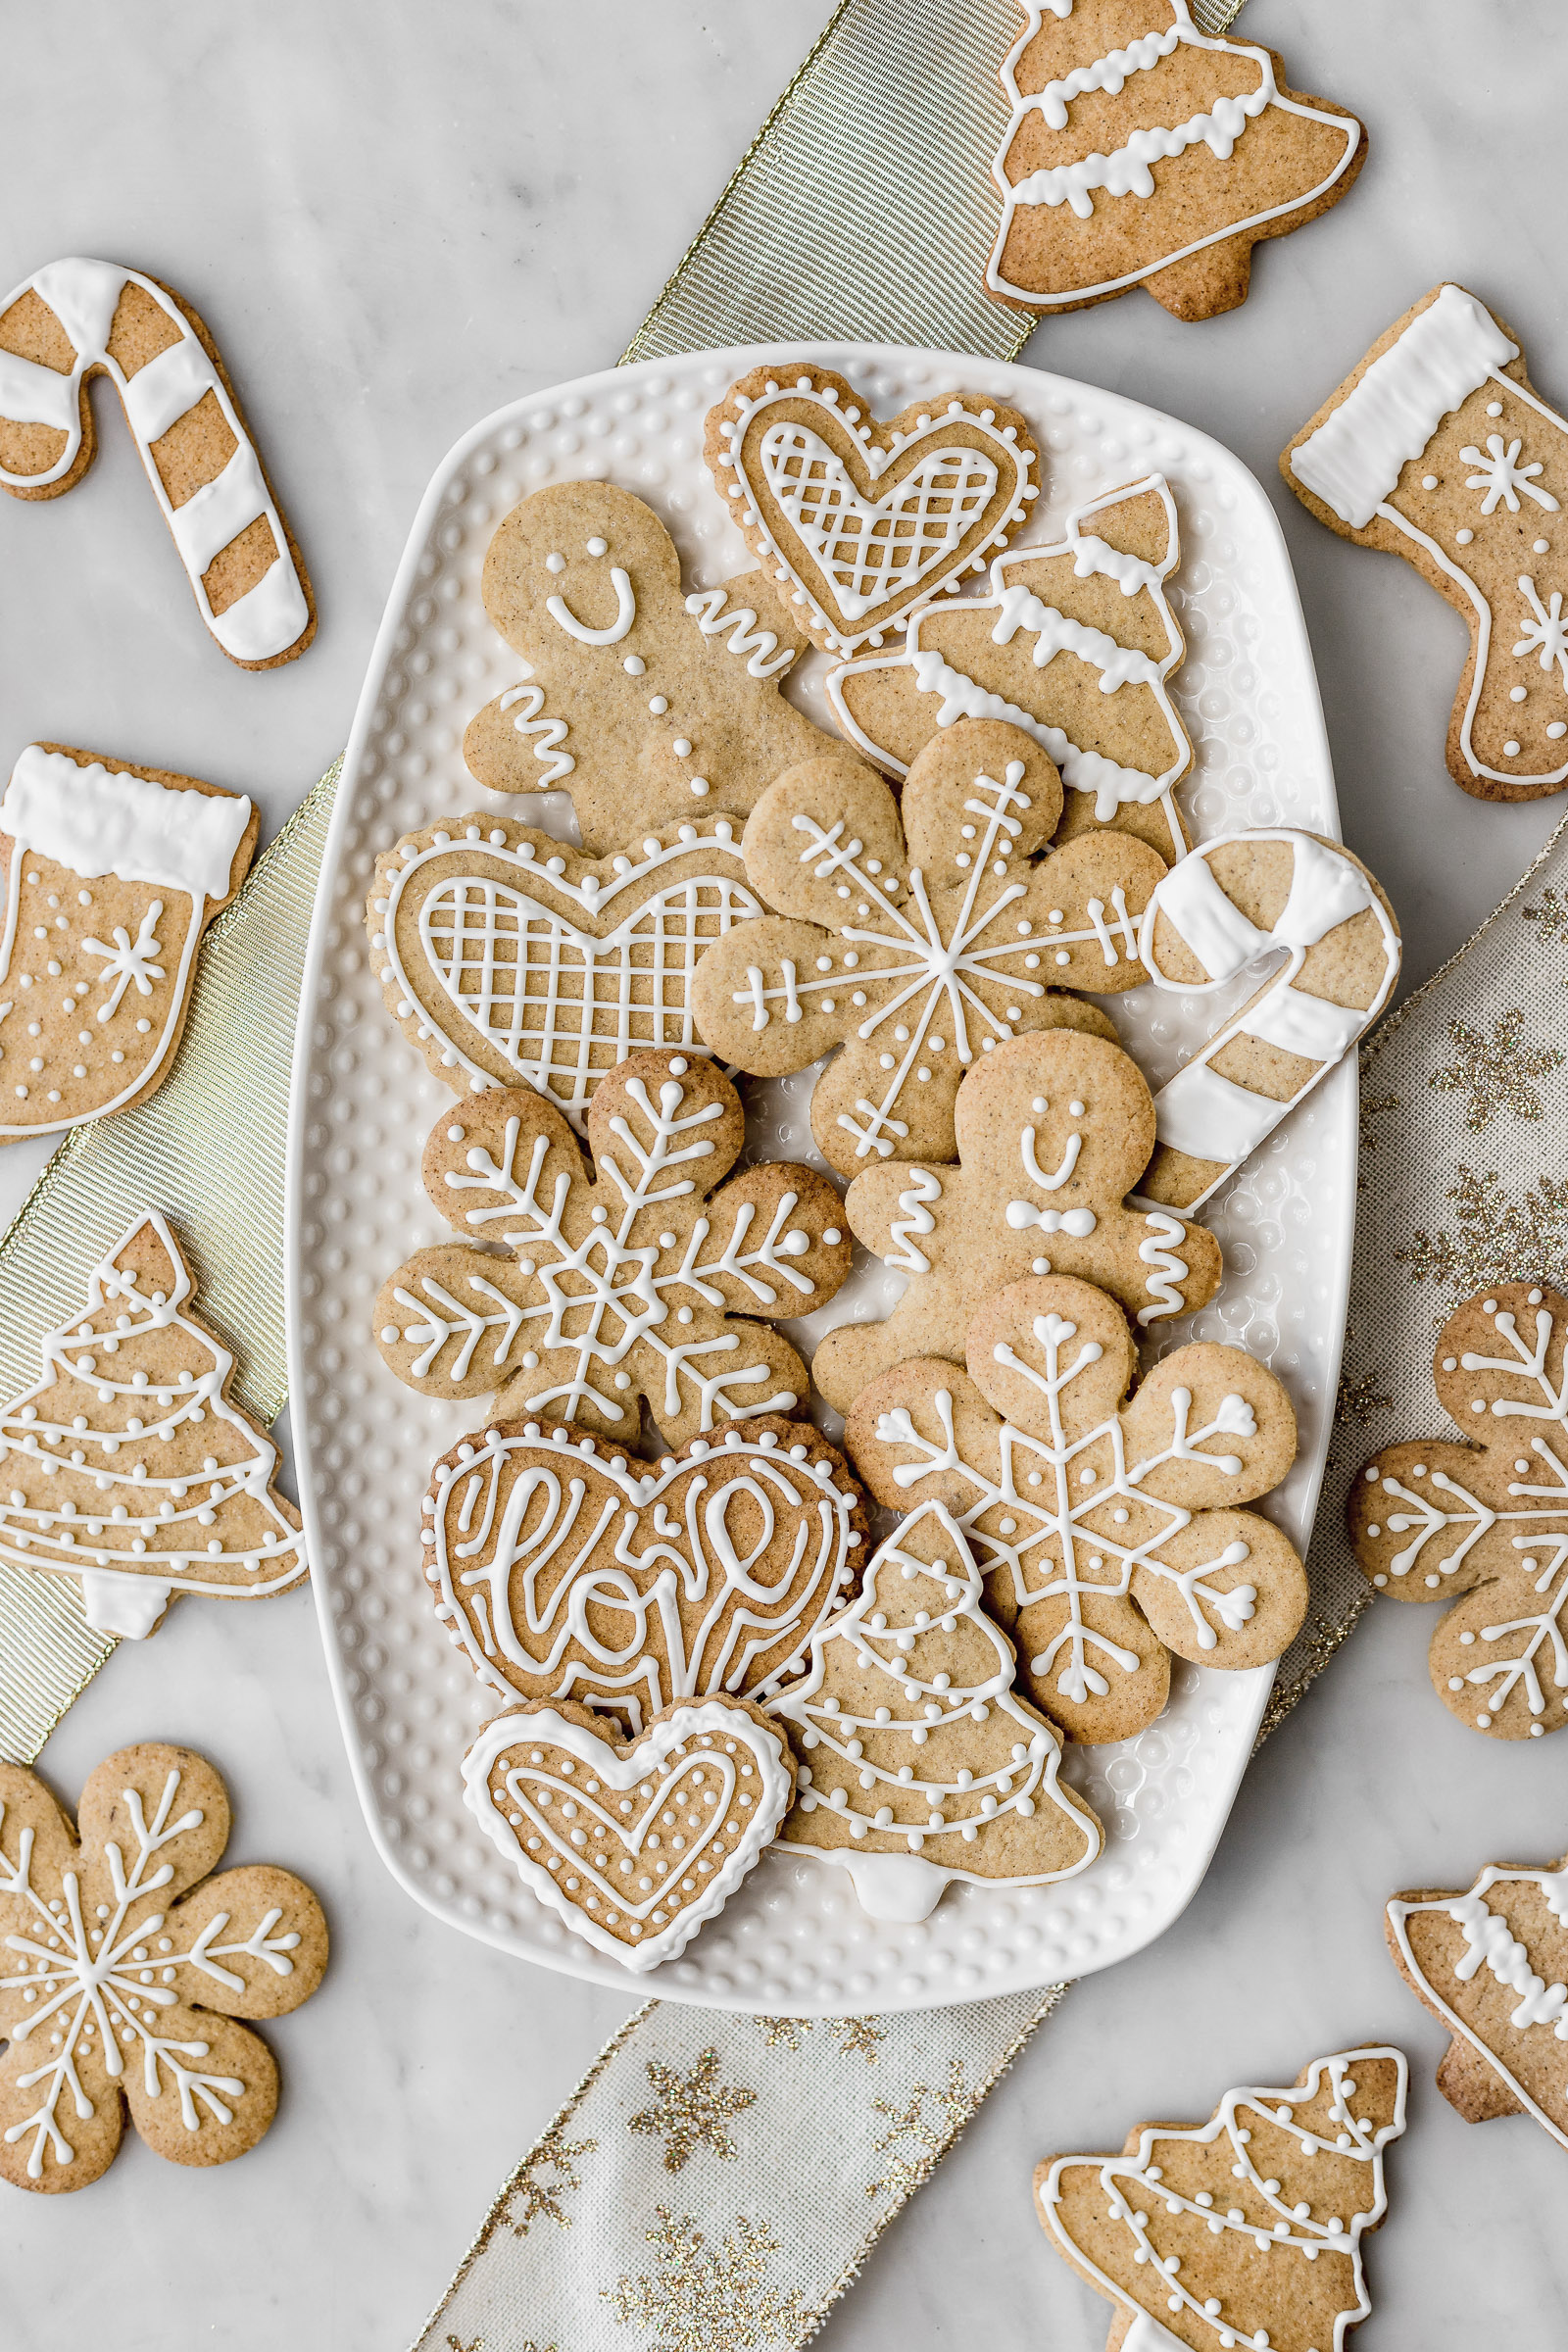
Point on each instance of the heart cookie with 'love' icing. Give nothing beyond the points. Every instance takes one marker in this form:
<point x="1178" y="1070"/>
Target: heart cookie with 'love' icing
<point x="633" y="1844"/>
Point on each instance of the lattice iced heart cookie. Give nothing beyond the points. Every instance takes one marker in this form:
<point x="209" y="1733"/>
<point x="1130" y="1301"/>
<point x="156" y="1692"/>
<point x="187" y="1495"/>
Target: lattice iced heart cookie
<point x="632" y="1843"/>
<point x="1436" y="448"/>
<point x="1485" y="1524"/>
<point x="622" y="1287"/>
<point x="858" y="523"/>
<point x="564" y="1571"/>
<point x="505" y="957"/>
<point x="1073" y="642"/>
<point x="644" y="702"/>
<point x="1107" y="1531"/>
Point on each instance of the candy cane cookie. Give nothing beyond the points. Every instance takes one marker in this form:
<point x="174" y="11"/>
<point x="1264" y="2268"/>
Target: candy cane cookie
<point x="1221" y="910"/>
<point x="79" y="319"/>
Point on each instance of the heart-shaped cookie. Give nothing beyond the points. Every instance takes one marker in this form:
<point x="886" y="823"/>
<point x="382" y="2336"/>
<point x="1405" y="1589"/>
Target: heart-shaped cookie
<point x="859" y="522"/>
<point x="634" y="1845"/>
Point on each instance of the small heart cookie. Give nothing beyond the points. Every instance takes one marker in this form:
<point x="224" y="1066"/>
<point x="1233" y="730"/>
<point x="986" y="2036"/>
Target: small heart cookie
<point x="633" y="1844"/>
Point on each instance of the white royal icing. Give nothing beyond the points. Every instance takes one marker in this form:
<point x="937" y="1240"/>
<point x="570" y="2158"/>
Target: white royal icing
<point x="527" y="701"/>
<point x="714" y="613"/>
<point x="100" y="823"/>
<point x="925" y="1186"/>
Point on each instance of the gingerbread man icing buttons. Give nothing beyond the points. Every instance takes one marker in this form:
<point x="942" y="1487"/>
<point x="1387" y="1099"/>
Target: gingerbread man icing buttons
<point x="920" y="936"/>
<point x="1484" y="1525"/>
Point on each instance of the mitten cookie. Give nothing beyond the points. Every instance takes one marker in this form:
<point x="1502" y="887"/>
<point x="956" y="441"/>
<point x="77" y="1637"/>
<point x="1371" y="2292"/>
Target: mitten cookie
<point x="1485" y="1524"/>
<point x="918" y="935"/>
<point x="1436" y="448"/>
<point x="646" y="704"/>
<point x="1052" y="1133"/>
<point x="1073" y="642"/>
<point x="1140" y="152"/>
<point x="80" y="319"/>
<point x="859" y="522"/>
<point x="619" y="1286"/>
<point x="1107" y="1530"/>
<point x="1242" y="2230"/>
<point x="124" y="1967"/>
<point x="111" y="875"/>
<point x="919" y="1765"/>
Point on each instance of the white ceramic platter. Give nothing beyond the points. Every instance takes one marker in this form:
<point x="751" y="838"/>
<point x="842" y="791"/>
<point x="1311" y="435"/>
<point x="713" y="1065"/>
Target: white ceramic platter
<point x="794" y="1938"/>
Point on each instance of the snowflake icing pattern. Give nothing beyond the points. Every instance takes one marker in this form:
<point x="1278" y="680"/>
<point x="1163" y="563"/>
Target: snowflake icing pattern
<point x="1502" y="477"/>
<point x="128" y="961"/>
<point x="1543" y="629"/>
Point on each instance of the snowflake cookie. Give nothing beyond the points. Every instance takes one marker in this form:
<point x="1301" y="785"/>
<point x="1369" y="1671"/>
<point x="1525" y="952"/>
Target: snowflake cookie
<point x="919" y="1764"/>
<point x="1140" y="151"/>
<point x="1107" y="1530"/>
<point x="1242" y="2230"/>
<point x="129" y="1467"/>
<point x="627" y="1283"/>
<point x="1485" y="1524"/>
<point x="920" y="936"/>
<point x="124" y="1967"/>
<point x="1436" y="447"/>
<point x="635" y="1842"/>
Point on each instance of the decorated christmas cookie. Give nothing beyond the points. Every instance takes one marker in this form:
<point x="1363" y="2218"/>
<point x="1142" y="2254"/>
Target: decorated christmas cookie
<point x="918" y="937"/>
<point x="564" y="1571"/>
<point x="112" y="874"/>
<point x="627" y="1285"/>
<point x="633" y="1843"/>
<point x="80" y="318"/>
<point x="1492" y="1963"/>
<point x="1242" y="2230"/>
<point x="1484" y="1525"/>
<point x="1108" y="1531"/>
<point x="1053" y="1132"/>
<point x="1073" y="642"/>
<point x="858" y="523"/>
<point x="1140" y="152"/>
<point x="503" y="956"/>
<point x="1436" y="449"/>
<point x="646" y="703"/>
<point x="128" y="1467"/>
<point x="918" y="1763"/>
<point x="123" y="1968"/>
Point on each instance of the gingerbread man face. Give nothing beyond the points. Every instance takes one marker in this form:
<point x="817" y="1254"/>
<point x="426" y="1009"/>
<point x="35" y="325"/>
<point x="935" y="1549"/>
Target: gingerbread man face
<point x="920" y="946"/>
<point x="1485" y="1524"/>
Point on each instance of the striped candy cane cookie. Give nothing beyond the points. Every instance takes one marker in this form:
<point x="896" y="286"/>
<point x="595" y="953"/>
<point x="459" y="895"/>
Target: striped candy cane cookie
<point x="1224" y="908"/>
<point x="78" y="319"/>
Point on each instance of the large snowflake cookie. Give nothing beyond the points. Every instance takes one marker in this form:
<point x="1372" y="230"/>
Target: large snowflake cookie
<point x="920" y="936"/>
<point x="1073" y="642"/>
<point x="80" y="319"/>
<point x="1484" y="1525"/>
<point x="646" y="703"/>
<point x="1436" y="448"/>
<point x="1140" y="151"/>
<point x="111" y="875"/>
<point x="628" y="1283"/>
<point x="128" y="1466"/>
<point x="918" y="1763"/>
<point x="1108" y="1531"/>
<point x="1242" y="2230"/>
<point x="633" y="1842"/>
<point x="123" y="1968"/>
<point x="859" y="522"/>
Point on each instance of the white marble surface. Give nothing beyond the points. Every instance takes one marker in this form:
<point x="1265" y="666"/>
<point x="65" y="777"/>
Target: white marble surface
<point x="395" y="217"/>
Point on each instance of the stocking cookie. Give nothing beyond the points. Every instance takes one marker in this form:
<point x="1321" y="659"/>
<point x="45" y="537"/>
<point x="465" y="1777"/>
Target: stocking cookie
<point x="626" y="1285"/>
<point x="1242" y="2230"/>
<point x="645" y="704"/>
<point x="564" y="1571"/>
<point x="1492" y="1963"/>
<point x="1140" y="152"/>
<point x="859" y="522"/>
<point x="918" y="937"/>
<point x="919" y="1765"/>
<point x="632" y="1843"/>
<point x="1484" y="1525"/>
<point x="1436" y="448"/>
<point x="80" y="318"/>
<point x="1074" y="642"/>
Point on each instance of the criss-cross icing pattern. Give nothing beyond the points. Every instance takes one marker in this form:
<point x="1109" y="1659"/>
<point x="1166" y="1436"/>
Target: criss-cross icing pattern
<point x="872" y="549"/>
